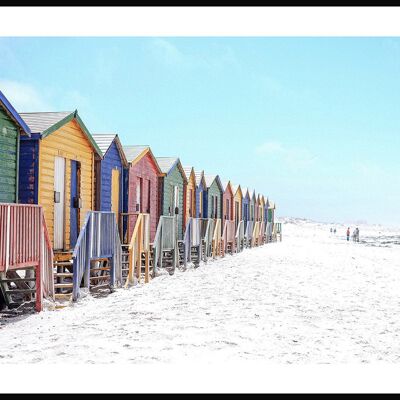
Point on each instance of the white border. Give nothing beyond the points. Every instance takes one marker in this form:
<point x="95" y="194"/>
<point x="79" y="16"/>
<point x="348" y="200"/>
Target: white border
<point x="200" y="21"/>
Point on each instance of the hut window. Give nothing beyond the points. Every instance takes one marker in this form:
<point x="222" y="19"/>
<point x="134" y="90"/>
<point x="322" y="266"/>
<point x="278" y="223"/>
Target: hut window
<point x="139" y="195"/>
<point x="176" y="198"/>
<point x="148" y="195"/>
<point x="216" y="207"/>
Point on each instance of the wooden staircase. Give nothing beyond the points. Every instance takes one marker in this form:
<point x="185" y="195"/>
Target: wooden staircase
<point x="63" y="276"/>
<point x="18" y="287"/>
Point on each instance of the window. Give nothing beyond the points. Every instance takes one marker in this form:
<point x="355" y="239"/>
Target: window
<point x="139" y="195"/>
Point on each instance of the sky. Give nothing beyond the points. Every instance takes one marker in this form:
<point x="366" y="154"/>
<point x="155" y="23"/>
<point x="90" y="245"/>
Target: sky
<point x="312" y="123"/>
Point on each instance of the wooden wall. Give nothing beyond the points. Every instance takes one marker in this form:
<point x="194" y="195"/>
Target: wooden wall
<point x="9" y="142"/>
<point x="70" y="143"/>
<point x="190" y="209"/>
<point x="146" y="170"/>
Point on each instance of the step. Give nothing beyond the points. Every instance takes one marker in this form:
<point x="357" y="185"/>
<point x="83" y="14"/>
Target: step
<point x="63" y="264"/>
<point x="63" y="296"/>
<point x="19" y="291"/>
<point x="100" y="269"/>
<point x="63" y="285"/>
<point x="63" y="274"/>
<point x="10" y="280"/>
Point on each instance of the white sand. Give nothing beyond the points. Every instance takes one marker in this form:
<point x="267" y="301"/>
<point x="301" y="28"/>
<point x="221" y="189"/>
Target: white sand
<point x="314" y="298"/>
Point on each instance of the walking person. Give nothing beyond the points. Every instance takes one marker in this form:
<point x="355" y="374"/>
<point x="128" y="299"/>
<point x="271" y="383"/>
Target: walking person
<point x="348" y="233"/>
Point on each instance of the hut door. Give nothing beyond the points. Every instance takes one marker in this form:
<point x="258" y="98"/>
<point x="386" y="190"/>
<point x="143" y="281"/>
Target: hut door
<point x="115" y="192"/>
<point x="75" y="201"/>
<point x="59" y="202"/>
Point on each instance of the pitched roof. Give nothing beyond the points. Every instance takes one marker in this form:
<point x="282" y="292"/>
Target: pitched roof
<point x="188" y="170"/>
<point x="132" y="152"/>
<point x="13" y="114"/>
<point x="45" y="123"/>
<point x="209" y="179"/>
<point x="235" y="188"/>
<point x="167" y="163"/>
<point x="135" y="153"/>
<point x="105" y="140"/>
<point x="39" y="122"/>
<point x="199" y="175"/>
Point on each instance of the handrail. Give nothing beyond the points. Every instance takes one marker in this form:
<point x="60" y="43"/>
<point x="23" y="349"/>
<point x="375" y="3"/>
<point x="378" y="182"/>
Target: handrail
<point x="239" y="236"/>
<point x="256" y="234"/>
<point x="139" y="243"/>
<point x="24" y="242"/>
<point x="97" y="239"/>
<point x="217" y="238"/>
<point x="192" y="238"/>
<point x="165" y="238"/>
<point x="229" y="235"/>
<point x="249" y="232"/>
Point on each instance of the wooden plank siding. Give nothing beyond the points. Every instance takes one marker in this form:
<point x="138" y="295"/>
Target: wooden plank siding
<point x="9" y="143"/>
<point x="227" y="203"/>
<point x="146" y="171"/>
<point x="173" y="179"/>
<point x="71" y="143"/>
<point x="190" y="203"/>
<point x="212" y="193"/>
<point x="237" y="208"/>
<point x="111" y="161"/>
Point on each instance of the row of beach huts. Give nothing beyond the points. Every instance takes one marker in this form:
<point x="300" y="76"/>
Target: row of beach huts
<point x="83" y="213"/>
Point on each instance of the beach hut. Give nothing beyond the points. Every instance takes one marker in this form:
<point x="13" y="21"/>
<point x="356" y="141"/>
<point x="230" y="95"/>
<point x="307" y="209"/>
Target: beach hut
<point x="142" y="189"/>
<point x="262" y="208"/>
<point x="190" y="195"/>
<point x="227" y="202"/>
<point x="12" y="126"/>
<point x="213" y="197"/>
<point x="200" y="188"/>
<point x="237" y="208"/>
<point x="56" y="171"/>
<point x="173" y="184"/>
<point x="252" y="207"/>
<point x="109" y="182"/>
<point x="266" y="206"/>
<point x="271" y="212"/>
<point x="246" y="206"/>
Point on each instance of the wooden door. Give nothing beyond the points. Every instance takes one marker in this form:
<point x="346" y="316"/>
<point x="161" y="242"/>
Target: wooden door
<point x="59" y="202"/>
<point x="115" y="183"/>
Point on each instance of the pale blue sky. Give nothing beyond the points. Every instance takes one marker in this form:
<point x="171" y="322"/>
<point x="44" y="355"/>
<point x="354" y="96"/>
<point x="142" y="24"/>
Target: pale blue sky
<point x="313" y="123"/>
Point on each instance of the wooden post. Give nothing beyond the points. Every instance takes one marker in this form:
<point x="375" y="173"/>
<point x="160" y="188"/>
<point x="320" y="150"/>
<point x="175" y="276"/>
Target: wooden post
<point x="39" y="267"/>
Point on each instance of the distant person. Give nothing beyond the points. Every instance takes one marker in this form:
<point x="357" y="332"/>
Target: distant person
<point x="354" y="235"/>
<point x="334" y="231"/>
<point x="357" y="235"/>
<point x="348" y="234"/>
<point x="331" y="230"/>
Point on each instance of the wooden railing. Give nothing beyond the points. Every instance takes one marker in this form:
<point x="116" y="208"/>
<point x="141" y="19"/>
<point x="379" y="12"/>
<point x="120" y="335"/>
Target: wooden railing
<point x="248" y="234"/>
<point x="268" y="232"/>
<point x="207" y="231"/>
<point x="277" y="231"/>
<point x="217" y="248"/>
<point x="97" y="240"/>
<point x="165" y="240"/>
<point x="138" y="245"/>
<point x="192" y="238"/>
<point x="24" y="243"/>
<point x="239" y="236"/>
<point x="229" y="236"/>
<point x="126" y="221"/>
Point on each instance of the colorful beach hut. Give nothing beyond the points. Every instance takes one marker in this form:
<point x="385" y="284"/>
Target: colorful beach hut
<point x="173" y="184"/>
<point x="200" y="188"/>
<point x="262" y="209"/>
<point x="109" y="169"/>
<point x="237" y="208"/>
<point x="190" y="194"/>
<point x="213" y="197"/>
<point x="142" y="189"/>
<point x="12" y="126"/>
<point x="227" y="202"/>
<point x="56" y="171"/>
<point x="253" y="201"/>
<point x="246" y="206"/>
